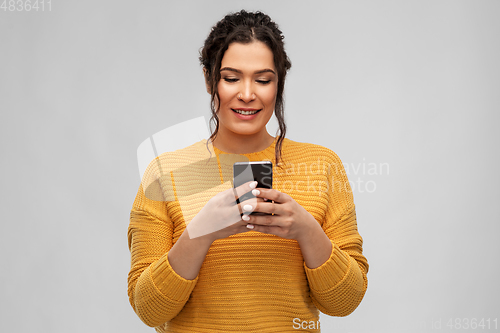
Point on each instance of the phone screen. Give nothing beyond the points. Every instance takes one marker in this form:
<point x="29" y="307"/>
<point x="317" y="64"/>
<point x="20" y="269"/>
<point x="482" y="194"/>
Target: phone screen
<point x="262" y="172"/>
<point x="244" y="172"/>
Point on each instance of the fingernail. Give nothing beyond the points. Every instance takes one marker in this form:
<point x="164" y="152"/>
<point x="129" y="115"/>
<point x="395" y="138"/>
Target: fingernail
<point x="248" y="208"/>
<point x="250" y="226"/>
<point x="253" y="184"/>
<point x="255" y="192"/>
<point x="245" y="217"/>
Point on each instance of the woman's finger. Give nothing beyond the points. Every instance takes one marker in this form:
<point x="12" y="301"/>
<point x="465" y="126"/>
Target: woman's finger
<point x="243" y="189"/>
<point x="271" y="194"/>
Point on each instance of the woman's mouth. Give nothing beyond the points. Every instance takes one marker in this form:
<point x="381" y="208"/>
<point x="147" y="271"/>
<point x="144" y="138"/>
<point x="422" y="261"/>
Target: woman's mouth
<point x="244" y="112"/>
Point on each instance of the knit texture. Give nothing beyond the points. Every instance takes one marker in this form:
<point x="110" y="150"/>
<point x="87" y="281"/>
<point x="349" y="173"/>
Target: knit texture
<point x="251" y="282"/>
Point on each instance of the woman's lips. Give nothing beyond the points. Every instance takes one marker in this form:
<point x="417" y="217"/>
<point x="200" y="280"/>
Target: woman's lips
<point x="246" y="109"/>
<point x="246" y="116"/>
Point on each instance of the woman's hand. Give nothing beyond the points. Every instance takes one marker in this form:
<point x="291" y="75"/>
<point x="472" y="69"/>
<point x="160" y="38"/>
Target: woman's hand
<point x="221" y="216"/>
<point x="288" y="220"/>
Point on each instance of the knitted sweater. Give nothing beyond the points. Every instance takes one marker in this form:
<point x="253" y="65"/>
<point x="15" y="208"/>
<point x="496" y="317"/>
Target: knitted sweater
<point x="252" y="282"/>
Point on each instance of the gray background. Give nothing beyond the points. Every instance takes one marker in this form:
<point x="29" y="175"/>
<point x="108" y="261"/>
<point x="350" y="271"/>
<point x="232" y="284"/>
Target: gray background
<point x="408" y="88"/>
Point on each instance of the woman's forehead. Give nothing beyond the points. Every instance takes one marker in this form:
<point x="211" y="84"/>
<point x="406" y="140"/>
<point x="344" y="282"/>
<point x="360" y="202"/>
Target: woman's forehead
<point x="249" y="57"/>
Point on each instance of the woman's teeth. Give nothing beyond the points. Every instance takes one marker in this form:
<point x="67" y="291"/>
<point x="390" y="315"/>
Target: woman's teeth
<point x="245" y="112"/>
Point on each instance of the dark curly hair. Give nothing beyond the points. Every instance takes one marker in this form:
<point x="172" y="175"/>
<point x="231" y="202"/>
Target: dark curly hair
<point x="245" y="27"/>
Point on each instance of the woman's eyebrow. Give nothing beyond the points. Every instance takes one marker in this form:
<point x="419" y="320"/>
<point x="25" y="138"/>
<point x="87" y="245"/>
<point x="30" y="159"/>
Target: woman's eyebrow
<point x="267" y="70"/>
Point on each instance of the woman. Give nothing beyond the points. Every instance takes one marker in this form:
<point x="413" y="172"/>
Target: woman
<point x="263" y="273"/>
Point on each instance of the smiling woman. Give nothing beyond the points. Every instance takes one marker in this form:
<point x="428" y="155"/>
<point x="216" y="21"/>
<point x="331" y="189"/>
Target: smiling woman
<point x="249" y="45"/>
<point x="268" y="272"/>
<point x="247" y="95"/>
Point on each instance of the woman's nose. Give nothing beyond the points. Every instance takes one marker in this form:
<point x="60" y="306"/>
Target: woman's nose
<point x="247" y="95"/>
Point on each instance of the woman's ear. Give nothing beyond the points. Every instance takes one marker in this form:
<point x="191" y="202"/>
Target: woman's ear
<point x="207" y="84"/>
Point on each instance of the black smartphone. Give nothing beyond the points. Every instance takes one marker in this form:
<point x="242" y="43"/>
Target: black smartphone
<point x="261" y="171"/>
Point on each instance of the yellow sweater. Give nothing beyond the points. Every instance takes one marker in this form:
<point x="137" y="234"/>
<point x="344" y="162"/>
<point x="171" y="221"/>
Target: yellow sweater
<point x="252" y="282"/>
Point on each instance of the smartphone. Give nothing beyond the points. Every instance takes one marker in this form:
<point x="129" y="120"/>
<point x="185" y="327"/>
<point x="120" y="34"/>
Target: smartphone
<point x="261" y="171"/>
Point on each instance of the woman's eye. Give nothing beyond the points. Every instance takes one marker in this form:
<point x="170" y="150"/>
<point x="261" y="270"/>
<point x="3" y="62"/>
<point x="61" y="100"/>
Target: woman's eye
<point x="264" y="81"/>
<point x="228" y="79"/>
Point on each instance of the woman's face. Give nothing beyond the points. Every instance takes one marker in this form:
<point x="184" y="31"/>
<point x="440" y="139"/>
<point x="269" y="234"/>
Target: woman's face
<point x="247" y="89"/>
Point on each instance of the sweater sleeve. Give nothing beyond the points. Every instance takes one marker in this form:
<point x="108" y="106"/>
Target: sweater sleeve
<point x="338" y="285"/>
<point x="156" y="292"/>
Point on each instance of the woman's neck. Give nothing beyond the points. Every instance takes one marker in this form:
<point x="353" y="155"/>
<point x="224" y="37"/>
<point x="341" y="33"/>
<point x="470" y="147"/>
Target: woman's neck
<point x="242" y="144"/>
